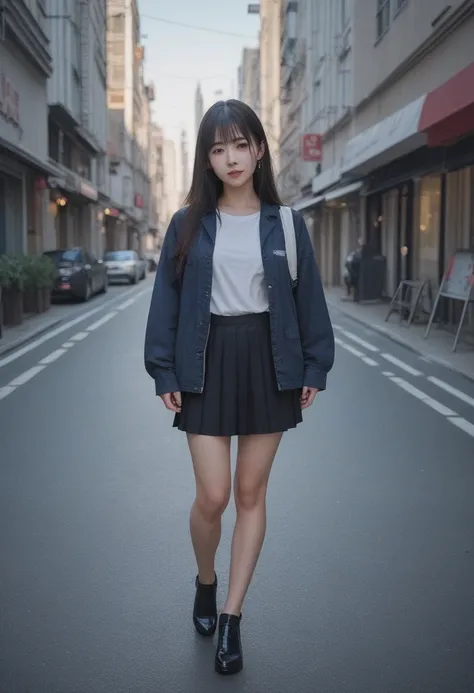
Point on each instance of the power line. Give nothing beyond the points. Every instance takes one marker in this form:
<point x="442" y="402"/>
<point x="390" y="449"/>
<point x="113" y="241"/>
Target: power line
<point x="196" y="28"/>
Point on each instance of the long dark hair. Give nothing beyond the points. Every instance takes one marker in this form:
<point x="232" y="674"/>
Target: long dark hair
<point x="227" y="120"/>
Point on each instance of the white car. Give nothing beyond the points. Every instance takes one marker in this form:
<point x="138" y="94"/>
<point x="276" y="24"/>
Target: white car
<point x="123" y="265"/>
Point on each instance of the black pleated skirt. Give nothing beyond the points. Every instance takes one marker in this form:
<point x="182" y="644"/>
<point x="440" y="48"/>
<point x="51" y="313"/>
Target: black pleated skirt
<point x="240" y="395"/>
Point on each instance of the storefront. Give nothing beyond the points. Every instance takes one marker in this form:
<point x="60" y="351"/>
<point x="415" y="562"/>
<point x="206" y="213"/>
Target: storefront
<point x="23" y="154"/>
<point x="74" y="212"/>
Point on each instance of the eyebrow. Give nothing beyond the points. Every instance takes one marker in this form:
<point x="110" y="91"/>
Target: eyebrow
<point x="236" y="139"/>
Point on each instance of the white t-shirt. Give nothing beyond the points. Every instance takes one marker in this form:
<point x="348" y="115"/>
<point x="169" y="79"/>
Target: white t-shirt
<point x="238" y="282"/>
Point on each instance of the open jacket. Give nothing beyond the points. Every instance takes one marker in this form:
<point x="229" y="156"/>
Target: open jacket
<point x="179" y="317"/>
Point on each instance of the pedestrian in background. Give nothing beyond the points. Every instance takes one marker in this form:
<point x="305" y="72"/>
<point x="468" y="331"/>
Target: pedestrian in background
<point x="234" y="347"/>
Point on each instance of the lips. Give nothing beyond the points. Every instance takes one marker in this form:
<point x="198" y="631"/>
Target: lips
<point x="235" y="174"/>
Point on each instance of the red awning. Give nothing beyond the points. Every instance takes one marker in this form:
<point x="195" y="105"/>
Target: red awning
<point x="448" y="111"/>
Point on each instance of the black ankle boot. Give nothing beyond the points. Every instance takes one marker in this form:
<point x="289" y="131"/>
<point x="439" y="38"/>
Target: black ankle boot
<point x="205" y="608"/>
<point x="229" y="658"/>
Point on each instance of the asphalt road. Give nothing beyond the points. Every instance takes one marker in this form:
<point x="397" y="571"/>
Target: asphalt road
<point x="365" y="581"/>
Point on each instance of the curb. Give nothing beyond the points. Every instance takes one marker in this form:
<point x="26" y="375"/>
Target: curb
<point x="399" y="340"/>
<point x="22" y="341"/>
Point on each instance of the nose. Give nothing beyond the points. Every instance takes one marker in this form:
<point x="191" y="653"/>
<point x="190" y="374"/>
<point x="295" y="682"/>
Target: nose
<point x="230" y="156"/>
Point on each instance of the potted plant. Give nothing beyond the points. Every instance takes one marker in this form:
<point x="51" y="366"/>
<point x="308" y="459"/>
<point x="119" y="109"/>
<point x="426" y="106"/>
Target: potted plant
<point x="11" y="281"/>
<point x="39" y="273"/>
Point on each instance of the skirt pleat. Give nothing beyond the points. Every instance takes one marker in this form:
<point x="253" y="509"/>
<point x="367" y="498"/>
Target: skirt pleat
<point x="240" y="395"/>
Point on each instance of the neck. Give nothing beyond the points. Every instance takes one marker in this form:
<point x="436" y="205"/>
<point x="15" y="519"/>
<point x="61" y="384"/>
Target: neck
<point x="240" y="198"/>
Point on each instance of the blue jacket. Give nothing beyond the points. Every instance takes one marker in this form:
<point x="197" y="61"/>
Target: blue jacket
<point x="179" y="315"/>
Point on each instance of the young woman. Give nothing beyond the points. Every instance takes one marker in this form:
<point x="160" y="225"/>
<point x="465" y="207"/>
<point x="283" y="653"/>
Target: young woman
<point x="234" y="348"/>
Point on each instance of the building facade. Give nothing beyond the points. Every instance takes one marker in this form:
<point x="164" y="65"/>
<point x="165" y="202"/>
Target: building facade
<point x="25" y="66"/>
<point x="392" y="96"/>
<point x="270" y="37"/>
<point x="129" y="113"/>
<point x="249" y="78"/>
<point x="77" y="123"/>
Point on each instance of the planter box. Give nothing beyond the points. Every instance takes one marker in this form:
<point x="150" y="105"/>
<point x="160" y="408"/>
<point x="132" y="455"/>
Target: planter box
<point x="33" y="301"/>
<point x="46" y="298"/>
<point x="12" y="303"/>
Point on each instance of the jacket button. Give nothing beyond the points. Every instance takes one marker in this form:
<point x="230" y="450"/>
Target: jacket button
<point x="270" y="286"/>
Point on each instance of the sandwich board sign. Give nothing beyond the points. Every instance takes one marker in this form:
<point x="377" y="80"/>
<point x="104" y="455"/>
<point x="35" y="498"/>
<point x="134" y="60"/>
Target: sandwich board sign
<point x="457" y="284"/>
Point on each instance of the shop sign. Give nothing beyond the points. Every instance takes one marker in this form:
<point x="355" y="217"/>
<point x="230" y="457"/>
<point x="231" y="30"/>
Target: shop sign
<point x="9" y="102"/>
<point x="311" y="147"/>
<point x="88" y="191"/>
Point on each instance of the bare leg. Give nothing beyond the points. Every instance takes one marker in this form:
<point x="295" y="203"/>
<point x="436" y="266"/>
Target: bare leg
<point x="254" y="462"/>
<point x="211" y="462"/>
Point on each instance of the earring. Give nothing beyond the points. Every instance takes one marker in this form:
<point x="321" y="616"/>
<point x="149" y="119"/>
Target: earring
<point x="259" y="164"/>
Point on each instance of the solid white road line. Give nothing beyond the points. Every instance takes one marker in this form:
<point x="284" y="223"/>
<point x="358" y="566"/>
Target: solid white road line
<point x="389" y="374"/>
<point x="26" y="376"/>
<point x="423" y="397"/>
<point x="401" y="364"/>
<point x="464" y="425"/>
<point x="102" y="321"/>
<point x="352" y="350"/>
<point x="6" y="390"/>
<point x="52" y="357"/>
<point x="68" y="345"/>
<point x="452" y="390"/>
<point x="358" y="340"/>
<point x="79" y="336"/>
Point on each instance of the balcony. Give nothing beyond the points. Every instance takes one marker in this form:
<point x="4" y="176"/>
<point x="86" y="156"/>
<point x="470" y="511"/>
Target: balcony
<point x="25" y="24"/>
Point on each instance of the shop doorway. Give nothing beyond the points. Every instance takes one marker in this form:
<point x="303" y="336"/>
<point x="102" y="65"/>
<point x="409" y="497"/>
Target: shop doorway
<point x="405" y="248"/>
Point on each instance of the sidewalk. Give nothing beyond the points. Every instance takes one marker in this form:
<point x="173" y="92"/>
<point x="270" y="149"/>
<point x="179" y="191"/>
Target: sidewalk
<point x="437" y="348"/>
<point x="34" y="326"/>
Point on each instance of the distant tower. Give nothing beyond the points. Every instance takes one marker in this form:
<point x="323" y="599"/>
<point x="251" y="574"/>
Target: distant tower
<point x="198" y="107"/>
<point x="184" y="163"/>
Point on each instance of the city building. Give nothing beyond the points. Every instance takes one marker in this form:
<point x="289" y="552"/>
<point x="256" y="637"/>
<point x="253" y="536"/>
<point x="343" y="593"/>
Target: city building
<point x="184" y="165"/>
<point x="77" y="123"/>
<point x="25" y="65"/>
<point x="171" y="197"/>
<point x="129" y="113"/>
<point x="269" y="49"/>
<point x="157" y="226"/>
<point x="249" y="78"/>
<point x="198" y="108"/>
<point x="388" y="95"/>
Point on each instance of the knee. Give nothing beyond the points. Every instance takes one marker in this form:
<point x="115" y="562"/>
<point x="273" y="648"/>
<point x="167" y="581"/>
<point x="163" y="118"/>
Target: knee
<point x="212" y="502"/>
<point x="248" y="495"/>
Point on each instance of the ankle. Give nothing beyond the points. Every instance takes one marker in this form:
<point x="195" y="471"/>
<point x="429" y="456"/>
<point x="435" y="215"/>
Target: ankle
<point x="207" y="578"/>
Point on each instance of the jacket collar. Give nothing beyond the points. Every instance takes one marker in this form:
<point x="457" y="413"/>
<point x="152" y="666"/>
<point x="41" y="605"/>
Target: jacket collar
<point x="268" y="217"/>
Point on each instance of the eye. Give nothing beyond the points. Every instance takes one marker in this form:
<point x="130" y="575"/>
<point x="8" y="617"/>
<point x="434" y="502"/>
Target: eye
<point x="243" y="145"/>
<point x="218" y="150"/>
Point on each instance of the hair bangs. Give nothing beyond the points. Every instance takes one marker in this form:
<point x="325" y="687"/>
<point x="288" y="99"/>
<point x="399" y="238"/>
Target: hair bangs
<point x="225" y="125"/>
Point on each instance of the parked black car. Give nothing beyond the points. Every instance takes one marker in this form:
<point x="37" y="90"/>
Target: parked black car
<point x="80" y="274"/>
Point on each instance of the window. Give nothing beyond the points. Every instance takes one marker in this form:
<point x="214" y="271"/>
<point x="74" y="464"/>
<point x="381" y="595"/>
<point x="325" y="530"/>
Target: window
<point x="398" y="5"/>
<point x="383" y="17"/>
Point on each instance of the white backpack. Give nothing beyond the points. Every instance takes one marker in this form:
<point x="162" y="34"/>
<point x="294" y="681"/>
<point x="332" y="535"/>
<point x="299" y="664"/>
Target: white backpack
<point x="286" y="216"/>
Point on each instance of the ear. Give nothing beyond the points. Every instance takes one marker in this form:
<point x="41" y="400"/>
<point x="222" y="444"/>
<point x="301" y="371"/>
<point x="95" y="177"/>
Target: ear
<point x="261" y="151"/>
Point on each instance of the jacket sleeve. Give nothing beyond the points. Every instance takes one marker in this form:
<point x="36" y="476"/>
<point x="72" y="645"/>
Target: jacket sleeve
<point x="317" y="337"/>
<point x="162" y="324"/>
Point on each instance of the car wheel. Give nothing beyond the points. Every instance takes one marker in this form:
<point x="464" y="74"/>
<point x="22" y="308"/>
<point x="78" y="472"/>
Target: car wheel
<point x="88" y="292"/>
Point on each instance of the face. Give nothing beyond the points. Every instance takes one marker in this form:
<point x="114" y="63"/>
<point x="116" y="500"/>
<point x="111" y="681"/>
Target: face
<point x="234" y="162"/>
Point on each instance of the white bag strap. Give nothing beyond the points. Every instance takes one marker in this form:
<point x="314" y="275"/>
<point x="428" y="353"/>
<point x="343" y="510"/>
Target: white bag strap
<point x="290" y="241"/>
